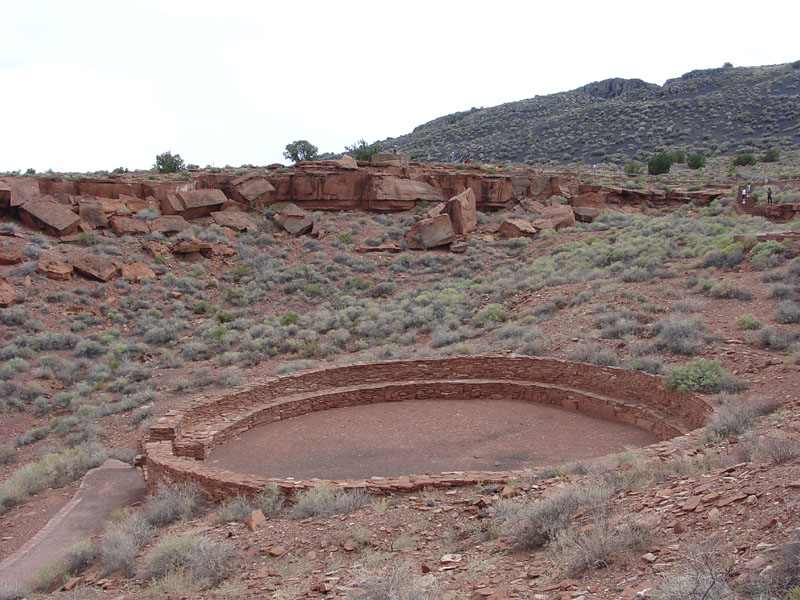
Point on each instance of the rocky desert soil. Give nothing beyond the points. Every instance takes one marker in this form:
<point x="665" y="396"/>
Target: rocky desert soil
<point x="89" y="361"/>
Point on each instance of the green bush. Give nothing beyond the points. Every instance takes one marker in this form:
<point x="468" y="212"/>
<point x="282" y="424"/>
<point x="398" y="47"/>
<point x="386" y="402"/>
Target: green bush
<point x="634" y="168"/>
<point x="658" y="164"/>
<point x="289" y="318"/>
<point x="768" y="254"/>
<point x="771" y="155"/>
<point x="749" y="322"/>
<point x="167" y="163"/>
<point x="300" y="150"/>
<point x="697" y="375"/>
<point x="744" y="159"/>
<point x="361" y="150"/>
<point x="490" y="313"/>
<point x="696" y="161"/>
<point x="677" y="156"/>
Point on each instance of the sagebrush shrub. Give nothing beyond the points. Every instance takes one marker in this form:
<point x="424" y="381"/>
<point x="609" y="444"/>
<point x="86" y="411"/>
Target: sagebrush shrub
<point x="697" y="375"/>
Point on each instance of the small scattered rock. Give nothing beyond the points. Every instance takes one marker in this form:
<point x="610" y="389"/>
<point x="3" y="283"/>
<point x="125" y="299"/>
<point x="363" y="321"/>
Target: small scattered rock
<point x="53" y="268"/>
<point x="254" y="519"/>
<point x="137" y="271"/>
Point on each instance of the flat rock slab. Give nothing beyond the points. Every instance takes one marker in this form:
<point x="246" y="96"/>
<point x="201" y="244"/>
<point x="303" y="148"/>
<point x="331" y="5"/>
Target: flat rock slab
<point x="429" y="233"/>
<point x="253" y="189"/>
<point x="112" y="485"/>
<point x="53" y="268"/>
<point x="137" y="271"/>
<point x="51" y="216"/>
<point x="201" y="203"/>
<point x="11" y="252"/>
<point x="235" y="219"/>
<point x="128" y="226"/>
<point x="7" y="293"/>
<point x="94" y="266"/>
<point x="169" y="224"/>
<point x="512" y="228"/>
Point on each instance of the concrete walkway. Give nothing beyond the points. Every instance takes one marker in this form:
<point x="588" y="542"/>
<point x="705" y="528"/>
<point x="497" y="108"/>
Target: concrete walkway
<point x="110" y="486"/>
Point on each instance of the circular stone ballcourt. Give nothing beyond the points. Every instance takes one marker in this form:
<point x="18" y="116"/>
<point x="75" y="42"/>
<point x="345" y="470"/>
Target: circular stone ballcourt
<point x="401" y="425"/>
<point x="423" y="436"/>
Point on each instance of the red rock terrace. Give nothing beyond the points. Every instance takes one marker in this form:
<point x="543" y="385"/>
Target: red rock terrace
<point x="178" y="444"/>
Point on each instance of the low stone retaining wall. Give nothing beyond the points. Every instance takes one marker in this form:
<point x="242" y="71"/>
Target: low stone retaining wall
<point x="178" y="442"/>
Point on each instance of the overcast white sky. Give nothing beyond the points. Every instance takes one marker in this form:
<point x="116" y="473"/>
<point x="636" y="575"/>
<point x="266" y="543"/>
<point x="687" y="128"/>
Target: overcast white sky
<point x="88" y="85"/>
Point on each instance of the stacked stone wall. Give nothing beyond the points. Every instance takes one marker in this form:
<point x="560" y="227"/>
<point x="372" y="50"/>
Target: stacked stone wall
<point x="177" y="443"/>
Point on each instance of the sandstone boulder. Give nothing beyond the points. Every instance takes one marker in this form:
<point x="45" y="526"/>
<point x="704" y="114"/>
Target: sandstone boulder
<point x="555" y="217"/>
<point x="254" y="189"/>
<point x="511" y="228"/>
<point x="390" y="160"/>
<point x="461" y="210"/>
<point x="7" y="294"/>
<point x="137" y="271"/>
<point x="191" y="246"/>
<point x="294" y="219"/>
<point x="23" y="190"/>
<point x="134" y="203"/>
<point x="586" y="214"/>
<point x="384" y="247"/>
<point x="92" y="213"/>
<point x="318" y="230"/>
<point x="235" y="219"/>
<point x="429" y="233"/>
<point x="346" y="162"/>
<point x="169" y="224"/>
<point x="171" y="205"/>
<point x="53" y="268"/>
<point x="201" y="203"/>
<point x="434" y="211"/>
<point x="404" y="191"/>
<point x="11" y="253"/>
<point x="128" y="225"/>
<point x="254" y="519"/>
<point x="50" y="216"/>
<point x="94" y="267"/>
<point x="590" y="200"/>
<point x="5" y="195"/>
<point x="297" y="226"/>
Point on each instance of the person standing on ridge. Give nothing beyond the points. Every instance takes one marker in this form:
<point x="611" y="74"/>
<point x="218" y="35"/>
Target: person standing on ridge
<point x="769" y="195"/>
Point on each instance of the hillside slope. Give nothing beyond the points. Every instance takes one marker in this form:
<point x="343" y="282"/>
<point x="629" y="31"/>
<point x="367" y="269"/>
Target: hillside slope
<point x="712" y="111"/>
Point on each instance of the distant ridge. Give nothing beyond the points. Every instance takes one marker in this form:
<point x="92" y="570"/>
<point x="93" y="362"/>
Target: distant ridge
<point x="712" y="111"/>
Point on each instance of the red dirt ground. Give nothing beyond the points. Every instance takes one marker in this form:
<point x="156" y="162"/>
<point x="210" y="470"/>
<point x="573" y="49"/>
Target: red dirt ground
<point x="427" y="436"/>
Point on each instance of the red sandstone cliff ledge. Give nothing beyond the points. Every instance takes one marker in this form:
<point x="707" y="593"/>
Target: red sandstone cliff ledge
<point x="386" y="184"/>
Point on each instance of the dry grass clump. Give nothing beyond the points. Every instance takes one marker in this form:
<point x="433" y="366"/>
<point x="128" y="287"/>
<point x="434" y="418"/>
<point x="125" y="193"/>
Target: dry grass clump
<point x="593" y="353"/>
<point x="395" y="582"/>
<point x="776" y="448"/>
<point x="76" y="558"/>
<point x="206" y="561"/>
<point x="325" y="500"/>
<point x="736" y="416"/>
<point x="599" y="544"/>
<point x="53" y="470"/>
<point x="269" y="501"/>
<point x="121" y="543"/>
<point x="702" y="577"/>
<point x="539" y="523"/>
<point x="780" y="580"/>
<point x="171" y="503"/>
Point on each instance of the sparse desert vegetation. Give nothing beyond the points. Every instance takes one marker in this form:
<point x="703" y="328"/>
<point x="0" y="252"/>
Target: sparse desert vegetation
<point x="682" y="289"/>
